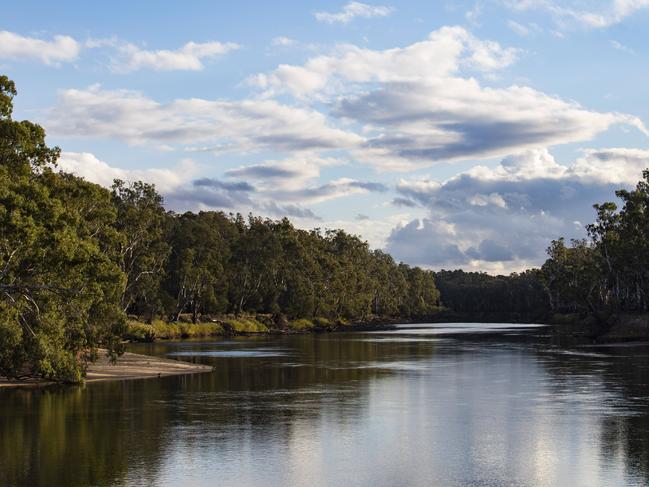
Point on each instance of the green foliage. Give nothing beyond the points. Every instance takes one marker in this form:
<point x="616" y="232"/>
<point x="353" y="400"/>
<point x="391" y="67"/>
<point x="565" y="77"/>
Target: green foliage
<point x="246" y="324"/>
<point x="478" y="292"/>
<point x="158" y="329"/>
<point x="59" y="287"/>
<point x="75" y="258"/>
<point x="611" y="271"/>
<point x="227" y="264"/>
<point x="143" y="250"/>
<point x="196" y="281"/>
<point x="321" y="322"/>
<point x="301" y="325"/>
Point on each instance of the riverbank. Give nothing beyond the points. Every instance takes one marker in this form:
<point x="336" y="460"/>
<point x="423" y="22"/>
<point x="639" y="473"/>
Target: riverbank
<point x="226" y="326"/>
<point x="129" y="366"/>
<point x="604" y="328"/>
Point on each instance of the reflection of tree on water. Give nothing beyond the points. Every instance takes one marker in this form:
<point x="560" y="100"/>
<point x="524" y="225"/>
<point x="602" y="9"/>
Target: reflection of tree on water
<point x="108" y="433"/>
<point x="622" y="375"/>
<point x="627" y="433"/>
<point x="76" y="436"/>
<point x="264" y="409"/>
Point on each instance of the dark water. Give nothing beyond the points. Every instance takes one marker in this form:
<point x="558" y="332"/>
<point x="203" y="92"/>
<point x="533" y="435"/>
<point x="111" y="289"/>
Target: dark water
<point x="426" y="405"/>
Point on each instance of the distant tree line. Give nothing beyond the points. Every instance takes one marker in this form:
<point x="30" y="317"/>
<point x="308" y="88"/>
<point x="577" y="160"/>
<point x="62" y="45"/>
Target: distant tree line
<point x="76" y="259"/>
<point x="212" y="263"/>
<point x="481" y="294"/>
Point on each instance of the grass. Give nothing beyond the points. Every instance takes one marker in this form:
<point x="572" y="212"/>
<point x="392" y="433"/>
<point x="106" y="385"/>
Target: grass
<point x="161" y="330"/>
<point x="143" y="332"/>
<point x="246" y="324"/>
<point x="301" y="324"/>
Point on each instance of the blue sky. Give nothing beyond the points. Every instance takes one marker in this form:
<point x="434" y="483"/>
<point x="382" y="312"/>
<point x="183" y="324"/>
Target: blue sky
<point x="452" y="134"/>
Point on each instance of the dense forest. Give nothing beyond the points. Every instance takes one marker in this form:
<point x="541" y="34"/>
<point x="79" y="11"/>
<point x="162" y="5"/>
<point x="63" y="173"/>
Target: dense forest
<point x="77" y="259"/>
<point x="518" y="295"/>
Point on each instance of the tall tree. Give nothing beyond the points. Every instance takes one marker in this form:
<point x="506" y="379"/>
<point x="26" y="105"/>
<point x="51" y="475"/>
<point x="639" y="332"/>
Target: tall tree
<point x="195" y="273"/>
<point x="143" y="250"/>
<point x="59" y="288"/>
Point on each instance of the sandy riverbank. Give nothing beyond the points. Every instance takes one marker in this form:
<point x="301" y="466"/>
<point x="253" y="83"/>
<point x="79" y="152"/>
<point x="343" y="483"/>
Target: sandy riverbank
<point x="128" y="367"/>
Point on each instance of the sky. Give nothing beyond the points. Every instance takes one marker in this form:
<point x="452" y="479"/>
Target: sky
<point x="450" y="134"/>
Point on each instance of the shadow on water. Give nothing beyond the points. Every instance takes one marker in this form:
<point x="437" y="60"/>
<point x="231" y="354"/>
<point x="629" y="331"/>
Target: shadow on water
<point x="421" y="405"/>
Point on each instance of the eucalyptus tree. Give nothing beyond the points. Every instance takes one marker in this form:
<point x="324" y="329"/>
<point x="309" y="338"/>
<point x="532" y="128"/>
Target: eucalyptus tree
<point x="59" y="287"/>
<point x="143" y="250"/>
<point x="196" y="275"/>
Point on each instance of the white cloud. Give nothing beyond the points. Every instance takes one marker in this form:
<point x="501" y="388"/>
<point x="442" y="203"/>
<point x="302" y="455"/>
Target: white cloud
<point x="572" y="12"/>
<point x="503" y="218"/>
<point x="443" y="53"/>
<point x="523" y="30"/>
<point x="335" y="189"/>
<point x="129" y="57"/>
<point x="621" y="47"/>
<point x="274" y="188"/>
<point x="189" y="57"/>
<point x="495" y="199"/>
<point x="417" y="124"/>
<point x="619" y="166"/>
<point x="51" y="52"/>
<point x="353" y="10"/>
<point x="89" y="167"/>
<point x="242" y="126"/>
<point x="285" y="174"/>
<point x="283" y="41"/>
<point x="416" y="105"/>
<point x="375" y="230"/>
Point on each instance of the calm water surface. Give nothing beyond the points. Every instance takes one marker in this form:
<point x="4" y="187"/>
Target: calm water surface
<point x="423" y="405"/>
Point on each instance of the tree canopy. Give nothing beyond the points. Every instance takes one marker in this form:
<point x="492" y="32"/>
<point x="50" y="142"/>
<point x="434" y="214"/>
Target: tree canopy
<point x="59" y="286"/>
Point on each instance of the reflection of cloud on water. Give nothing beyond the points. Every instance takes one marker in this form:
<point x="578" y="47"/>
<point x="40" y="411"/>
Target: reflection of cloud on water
<point x="402" y="340"/>
<point x="428" y="329"/>
<point x="257" y="352"/>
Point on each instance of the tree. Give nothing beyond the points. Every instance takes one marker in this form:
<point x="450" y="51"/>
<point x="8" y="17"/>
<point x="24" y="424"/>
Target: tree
<point x="196" y="267"/>
<point x="143" y="250"/>
<point x="59" y="289"/>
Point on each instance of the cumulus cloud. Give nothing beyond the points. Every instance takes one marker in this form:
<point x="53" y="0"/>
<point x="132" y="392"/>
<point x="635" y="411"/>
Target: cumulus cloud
<point x="241" y="196"/>
<point x="353" y="10"/>
<point x="396" y="109"/>
<point x="59" y="49"/>
<point x="276" y="188"/>
<point x="444" y="52"/>
<point x="189" y="57"/>
<point x="416" y="105"/>
<point x="89" y="167"/>
<point x="226" y="125"/>
<point x="374" y="231"/>
<point x="419" y="123"/>
<point x="502" y="218"/>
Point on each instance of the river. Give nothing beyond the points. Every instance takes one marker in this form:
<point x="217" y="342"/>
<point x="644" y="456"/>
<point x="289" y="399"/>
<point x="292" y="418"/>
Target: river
<point x="422" y="405"/>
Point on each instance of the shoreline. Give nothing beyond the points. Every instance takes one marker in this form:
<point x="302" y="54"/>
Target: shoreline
<point x="130" y="366"/>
